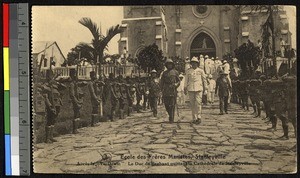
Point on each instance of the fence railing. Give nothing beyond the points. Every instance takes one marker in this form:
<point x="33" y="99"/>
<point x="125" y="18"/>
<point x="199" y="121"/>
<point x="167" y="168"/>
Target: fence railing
<point x="84" y="71"/>
<point x="279" y="61"/>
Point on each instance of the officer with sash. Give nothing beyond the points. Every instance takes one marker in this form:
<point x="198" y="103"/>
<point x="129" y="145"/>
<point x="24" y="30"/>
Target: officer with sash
<point x="168" y="84"/>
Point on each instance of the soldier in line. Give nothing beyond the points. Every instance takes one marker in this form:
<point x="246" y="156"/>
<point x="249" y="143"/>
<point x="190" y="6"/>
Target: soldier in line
<point x="110" y="100"/>
<point x="234" y="97"/>
<point x="123" y="98"/>
<point x="76" y="98"/>
<point x="117" y="100"/>
<point x="279" y="107"/>
<point x="93" y="89"/>
<point x="154" y="91"/>
<point x="236" y="88"/>
<point x="254" y="93"/>
<point x="291" y="101"/>
<point x="130" y="89"/>
<point x="265" y="96"/>
<point x="244" y="93"/>
<point x="168" y="84"/>
<point x="53" y="103"/>
<point x="195" y="86"/>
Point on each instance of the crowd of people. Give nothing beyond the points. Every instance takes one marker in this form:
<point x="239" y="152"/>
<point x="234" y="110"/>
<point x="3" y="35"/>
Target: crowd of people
<point x="204" y="79"/>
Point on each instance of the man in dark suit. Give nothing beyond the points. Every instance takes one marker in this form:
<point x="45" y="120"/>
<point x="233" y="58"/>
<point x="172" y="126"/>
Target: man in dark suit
<point x="223" y="88"/>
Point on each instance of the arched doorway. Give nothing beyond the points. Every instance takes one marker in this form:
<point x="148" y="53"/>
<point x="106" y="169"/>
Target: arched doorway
<point x="203" y="44"/>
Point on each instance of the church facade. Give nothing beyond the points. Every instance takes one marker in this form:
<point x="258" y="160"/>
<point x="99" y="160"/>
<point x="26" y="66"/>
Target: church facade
<point x="191" y="30"/>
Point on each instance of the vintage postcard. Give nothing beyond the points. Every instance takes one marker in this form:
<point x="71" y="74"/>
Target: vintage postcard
<point x="186" y="89"/>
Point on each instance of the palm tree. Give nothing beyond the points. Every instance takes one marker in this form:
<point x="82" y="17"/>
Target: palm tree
<point x="99" y="43"/>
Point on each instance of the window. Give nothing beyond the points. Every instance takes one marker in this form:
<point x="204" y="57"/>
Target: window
<point x="201" y="11"/>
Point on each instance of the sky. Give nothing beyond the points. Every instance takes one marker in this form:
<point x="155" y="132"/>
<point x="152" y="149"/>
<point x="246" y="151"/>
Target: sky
<point x="60" y="24"/>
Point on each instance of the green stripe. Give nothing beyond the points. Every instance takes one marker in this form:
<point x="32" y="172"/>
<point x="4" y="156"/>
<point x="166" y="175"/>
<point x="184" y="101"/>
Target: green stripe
<point x="6" y="112"/>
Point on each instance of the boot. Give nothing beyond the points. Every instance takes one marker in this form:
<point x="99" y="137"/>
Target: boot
<point x="155" y="113"/>
<point x="273" y="120"/>
<point x="51" y="134"/>
<point x="47" y="140"/>
<point x="254" y="109"/>
<point x="122" y="115"/>
<point x="93" y="120"/>
<point x="285" y="132"/>
<point x="129" y="111"/>
<point x="75" y="125"/>
<point x="112" y="116"/>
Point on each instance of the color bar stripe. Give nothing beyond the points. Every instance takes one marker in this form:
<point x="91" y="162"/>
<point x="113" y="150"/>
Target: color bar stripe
<point x="6" y="112"/>
<point x="5" y="24"/>
<point x="6" y="68"/>
<point x="7" y="155"/>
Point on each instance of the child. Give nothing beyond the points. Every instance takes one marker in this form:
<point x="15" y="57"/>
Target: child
<point x="180" y="91"/>
<point x="211" y="89"/>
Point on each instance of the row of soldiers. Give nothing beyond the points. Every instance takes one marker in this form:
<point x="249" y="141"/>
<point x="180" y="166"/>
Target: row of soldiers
<point x="277" y="94"/>
<point x="110" y="97"/>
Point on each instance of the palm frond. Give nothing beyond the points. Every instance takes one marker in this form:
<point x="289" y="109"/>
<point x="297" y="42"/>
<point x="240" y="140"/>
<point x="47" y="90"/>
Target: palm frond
<point x="111" y="32"/>
<point x="94" y="29"/>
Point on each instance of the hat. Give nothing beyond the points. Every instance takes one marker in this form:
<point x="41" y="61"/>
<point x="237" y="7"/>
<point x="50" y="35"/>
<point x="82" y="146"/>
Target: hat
<point x="201" y="55"/>
<point x="194" y="59"/>
<point x="153" y="71"/>
<point x="169" y="61"/>
<point x="206" y="56"/>
<point x="217" y="57"/>
<point x="212" y="58"/>
<point x="210" y="76"/>
<point x="224" y="61"/>
<point x="181" y="76"/>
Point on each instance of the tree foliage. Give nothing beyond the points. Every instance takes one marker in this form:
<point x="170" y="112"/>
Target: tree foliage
<point x="151" y="58"/>
<point x="179" y="64"/>
<point x="98" y="45"/>
<point x="248" y="57"/>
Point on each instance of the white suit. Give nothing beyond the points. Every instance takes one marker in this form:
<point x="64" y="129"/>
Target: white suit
<point x="195" y="83"/>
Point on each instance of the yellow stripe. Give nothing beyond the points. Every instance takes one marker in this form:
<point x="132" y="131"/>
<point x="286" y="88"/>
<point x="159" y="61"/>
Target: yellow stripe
<point x="6" y="67"/>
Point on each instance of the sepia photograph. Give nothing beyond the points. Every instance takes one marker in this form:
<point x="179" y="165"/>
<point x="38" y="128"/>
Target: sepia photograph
<point x="164" y="89"/>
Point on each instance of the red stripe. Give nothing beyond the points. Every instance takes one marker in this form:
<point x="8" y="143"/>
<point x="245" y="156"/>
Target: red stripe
<point x="5" y="25"/>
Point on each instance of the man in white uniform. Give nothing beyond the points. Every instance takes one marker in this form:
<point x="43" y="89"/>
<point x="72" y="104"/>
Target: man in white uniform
<point x="226" y="71"/>
<point x="195" y="85"/>
<point x="208" y="63"/>
<point x="201" y="62"/>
